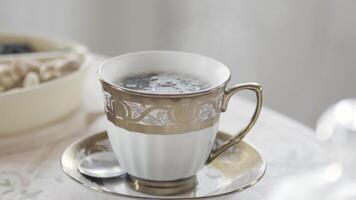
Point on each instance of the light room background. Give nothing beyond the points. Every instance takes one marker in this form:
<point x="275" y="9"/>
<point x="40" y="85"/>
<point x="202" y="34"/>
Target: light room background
<point x="302" y="51"/>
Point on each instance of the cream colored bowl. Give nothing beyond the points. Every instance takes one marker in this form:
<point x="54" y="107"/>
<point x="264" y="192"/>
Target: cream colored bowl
<point x="25" y="109"/>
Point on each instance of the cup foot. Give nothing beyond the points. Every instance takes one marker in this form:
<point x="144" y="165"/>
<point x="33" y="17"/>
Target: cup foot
<point x="162" y="187"/>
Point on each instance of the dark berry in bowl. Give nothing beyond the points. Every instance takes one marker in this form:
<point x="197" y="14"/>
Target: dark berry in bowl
<point x="14" y="48"/>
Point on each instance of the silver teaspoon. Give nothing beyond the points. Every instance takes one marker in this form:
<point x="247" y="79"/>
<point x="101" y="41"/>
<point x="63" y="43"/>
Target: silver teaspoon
<point x="100" y="165"/>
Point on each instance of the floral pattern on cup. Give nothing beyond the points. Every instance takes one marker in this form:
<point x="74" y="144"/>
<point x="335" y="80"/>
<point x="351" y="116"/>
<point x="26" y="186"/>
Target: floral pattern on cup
<point x="153" y="114"/>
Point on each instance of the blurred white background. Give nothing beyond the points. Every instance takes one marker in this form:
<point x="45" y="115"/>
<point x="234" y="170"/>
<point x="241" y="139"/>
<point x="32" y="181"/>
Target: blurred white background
<point x="301" y="51"/>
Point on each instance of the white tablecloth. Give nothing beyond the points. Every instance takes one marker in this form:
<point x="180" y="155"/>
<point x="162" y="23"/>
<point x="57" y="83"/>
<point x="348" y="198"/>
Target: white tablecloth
<point x="30" y="162"/>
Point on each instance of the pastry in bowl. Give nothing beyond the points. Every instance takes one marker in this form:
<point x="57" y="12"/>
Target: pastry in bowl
<point x="41" y="81"/>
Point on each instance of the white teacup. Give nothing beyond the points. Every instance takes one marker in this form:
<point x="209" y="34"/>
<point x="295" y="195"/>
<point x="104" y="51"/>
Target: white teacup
<point x="168" y="137"/>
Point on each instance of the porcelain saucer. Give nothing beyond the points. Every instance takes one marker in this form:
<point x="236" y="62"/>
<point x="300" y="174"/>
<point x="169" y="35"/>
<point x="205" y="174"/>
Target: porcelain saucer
<point x="235" y="170"/>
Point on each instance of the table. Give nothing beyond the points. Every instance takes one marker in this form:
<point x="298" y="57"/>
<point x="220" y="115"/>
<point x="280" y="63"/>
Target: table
<point x="30" y="163"/>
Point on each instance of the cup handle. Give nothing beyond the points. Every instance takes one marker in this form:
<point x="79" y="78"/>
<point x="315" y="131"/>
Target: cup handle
<point x="255" y="87"/>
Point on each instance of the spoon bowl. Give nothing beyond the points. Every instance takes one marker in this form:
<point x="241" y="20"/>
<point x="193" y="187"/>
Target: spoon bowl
<point x="100" y="165"/>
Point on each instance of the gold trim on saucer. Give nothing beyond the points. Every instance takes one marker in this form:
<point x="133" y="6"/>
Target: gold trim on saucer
<point x="241" y="166"/>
